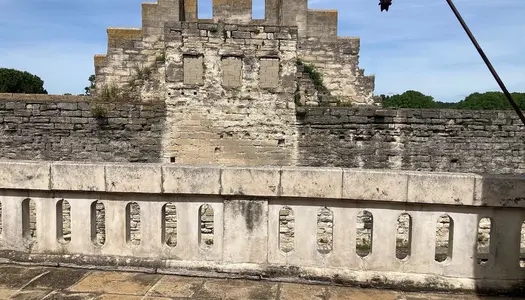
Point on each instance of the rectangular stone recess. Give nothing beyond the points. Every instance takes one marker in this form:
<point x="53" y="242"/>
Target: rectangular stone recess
<point x="231" y="71"/>
<point x="269" y="73"/>
<point x="193" y="69"/>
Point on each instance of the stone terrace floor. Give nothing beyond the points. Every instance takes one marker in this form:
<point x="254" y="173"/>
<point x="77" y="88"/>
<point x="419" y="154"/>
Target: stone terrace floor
<point x="61" y="283"/>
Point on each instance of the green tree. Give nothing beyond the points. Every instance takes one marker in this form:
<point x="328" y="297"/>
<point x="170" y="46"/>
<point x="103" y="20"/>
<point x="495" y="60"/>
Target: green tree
<point x="91" y="86"/>
<point x="15" y="81"/>
<point x="490" y="101"/>
<point x="409" y="99"/>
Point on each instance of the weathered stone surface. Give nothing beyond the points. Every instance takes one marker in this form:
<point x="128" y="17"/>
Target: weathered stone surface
<point x="127" y="132"/>
<point x="252" y="181"/>
<point x="78" y="177"/>
<point x="441" y="188"/>
<point x="192" y="179"/>
<point x="24" y="175"/>
<point x="312" y="182"/>
<point x="139" y="178"/>
<point x="375" y="185"/>
<point x="408" y="139"/>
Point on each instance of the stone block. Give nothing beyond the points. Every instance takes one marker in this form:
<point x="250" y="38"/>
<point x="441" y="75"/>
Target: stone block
<point x="375" y="185"/>
<point x="250" y="181"/>
<point x="441" y="188"/>
<point x="136" y="178"/>
<point x="77" y="177"/>
<point x="500" y="190"/>
<point x="311" y="182"/>
<point x="245" y="231"/>
<point x="192" y="180"/>
<point x="24" y="175"/>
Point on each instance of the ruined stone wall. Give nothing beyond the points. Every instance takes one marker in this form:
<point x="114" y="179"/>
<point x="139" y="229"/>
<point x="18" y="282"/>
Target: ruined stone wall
<point x="336" y="59"/>
<point x="42" y="127"/>
<point x="412" y="139"/>
<point x="230" y="94"/>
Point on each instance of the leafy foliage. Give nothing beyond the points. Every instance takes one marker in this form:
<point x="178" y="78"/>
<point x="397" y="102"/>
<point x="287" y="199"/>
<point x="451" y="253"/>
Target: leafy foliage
<point x="491" y="100"/>
<point x="91" y="86"/>
<point x="409" y="99"/>
<point x="315" y="76"/>
<point x="15" y="81"/>
<point x="475" y="101"/>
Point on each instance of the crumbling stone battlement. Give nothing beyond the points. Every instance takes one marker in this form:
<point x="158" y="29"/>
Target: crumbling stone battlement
<point x="231" y="83"/>
<point x="133" y="52"/>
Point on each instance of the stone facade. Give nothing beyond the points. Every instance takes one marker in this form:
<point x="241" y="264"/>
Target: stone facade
<point x="412" y="139"/>
<point x="231" y="83"/>
<point x="42" y="127"/>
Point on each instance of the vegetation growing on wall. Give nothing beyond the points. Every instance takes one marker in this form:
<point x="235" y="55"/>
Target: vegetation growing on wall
<point x="315" y="76"/>
<point x="20" y="82"/>
<point x="110" y="93"/>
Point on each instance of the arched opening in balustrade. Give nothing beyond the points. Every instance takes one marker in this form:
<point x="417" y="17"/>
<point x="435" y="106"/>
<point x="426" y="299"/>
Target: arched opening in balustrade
<point x="204" y="9"/>
<point x="522" y="246"/>
<point x="325" y="225"/>
<point x="286" y="230"/>
<point x="133" y="234"/>
<point x="63" y="218"/>
<point x="444" y="238"/>
<point x="169" y="224"/>
<point x="98" y="223"/>
<point x="483" y="240"/>
<point x="29" y="229"/>
<point x="258" y="9"/>
<point x="404" y="236"/>
<point x="364" y="233"/>
<point x="207" y="224"/>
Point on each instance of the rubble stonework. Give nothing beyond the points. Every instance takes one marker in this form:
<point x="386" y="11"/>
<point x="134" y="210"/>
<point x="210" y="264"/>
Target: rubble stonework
<point x="231" y="83"/>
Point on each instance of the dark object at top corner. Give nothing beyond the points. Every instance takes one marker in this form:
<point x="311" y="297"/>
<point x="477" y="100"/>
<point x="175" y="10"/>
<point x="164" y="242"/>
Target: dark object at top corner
<point x="385" y="4"/>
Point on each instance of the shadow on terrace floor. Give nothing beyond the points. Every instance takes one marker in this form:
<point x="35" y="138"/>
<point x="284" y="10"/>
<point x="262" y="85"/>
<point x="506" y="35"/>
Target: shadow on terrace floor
<point x="68" y="284"/>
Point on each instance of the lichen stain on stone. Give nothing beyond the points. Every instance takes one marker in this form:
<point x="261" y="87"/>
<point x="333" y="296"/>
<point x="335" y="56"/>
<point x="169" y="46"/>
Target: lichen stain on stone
<point x="252" y="213"/>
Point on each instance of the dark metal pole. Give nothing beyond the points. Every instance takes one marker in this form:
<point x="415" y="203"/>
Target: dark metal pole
<point x="487" y="62"/>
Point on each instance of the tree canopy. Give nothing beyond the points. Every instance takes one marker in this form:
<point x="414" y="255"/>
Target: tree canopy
<point x="474" y="101"/>
<point x="15" y="81"/>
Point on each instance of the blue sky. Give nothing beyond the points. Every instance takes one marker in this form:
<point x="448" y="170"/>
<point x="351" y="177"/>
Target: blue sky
<point x="417" y="45"/>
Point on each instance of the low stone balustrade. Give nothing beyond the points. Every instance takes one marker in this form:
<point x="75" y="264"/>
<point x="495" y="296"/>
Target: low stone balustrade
<point x="421" y="230"/>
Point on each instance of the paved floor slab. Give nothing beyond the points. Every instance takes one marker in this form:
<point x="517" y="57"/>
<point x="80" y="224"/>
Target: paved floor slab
<point x="119" y="283"/>
<point x="176" y="286"/>
<point x="234" y="289"/>
<point x="34" y="283"/>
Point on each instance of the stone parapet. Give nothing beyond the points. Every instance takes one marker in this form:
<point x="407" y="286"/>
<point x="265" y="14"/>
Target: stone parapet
<point x="461" y="189"/>
<point x="331" y="224"/>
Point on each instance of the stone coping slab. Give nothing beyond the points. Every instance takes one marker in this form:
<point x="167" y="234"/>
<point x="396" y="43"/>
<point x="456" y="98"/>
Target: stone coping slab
<point x="267" y="181"/>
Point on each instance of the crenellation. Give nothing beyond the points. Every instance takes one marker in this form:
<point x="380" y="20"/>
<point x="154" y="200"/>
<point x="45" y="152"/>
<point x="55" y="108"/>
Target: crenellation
<point x="322" y="23"/>
<point x="233" y="75"/>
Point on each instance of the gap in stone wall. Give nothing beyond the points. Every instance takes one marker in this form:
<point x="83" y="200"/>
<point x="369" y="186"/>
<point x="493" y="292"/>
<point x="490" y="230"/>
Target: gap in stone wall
<point x="170" y="224"/>
<point x="364" y="232"/>
<point x="63" y="215"/>
<point x="29" y="219"/>
<point x="207" y="226"/>
<point x="404" y="236"/>
<point x="325" y="233"/>
<point x="258" y="9"/>
<point x="205" y="9"/>
<point x="98" y="223"/>
<point x="444" y="238"/>
<point x="133" y="232"/>
<point x="286" y="229"/>
<point x="483" y="240"/>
